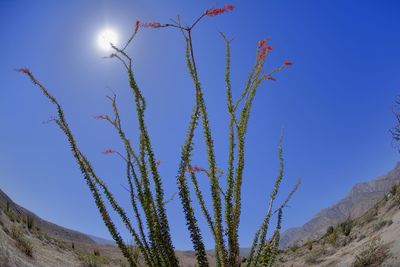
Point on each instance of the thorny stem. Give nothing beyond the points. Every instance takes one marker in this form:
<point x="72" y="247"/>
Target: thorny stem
<point x="220" y="246"/>
<point x="83" y="164"/>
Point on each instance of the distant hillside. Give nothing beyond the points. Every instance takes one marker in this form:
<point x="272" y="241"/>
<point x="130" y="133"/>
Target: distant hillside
<point x="47" y="244"/>
<point x="361" y="198"/>
<point x="102" y="241"/>
<point x="372" y="239"/>
<point x="45" y="226"/>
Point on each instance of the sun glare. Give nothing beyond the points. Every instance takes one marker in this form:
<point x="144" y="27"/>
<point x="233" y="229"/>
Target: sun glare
<point x="107" y="37"/>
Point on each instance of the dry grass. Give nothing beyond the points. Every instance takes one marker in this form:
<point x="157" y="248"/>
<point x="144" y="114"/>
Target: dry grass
<point x="314" y="256"/>
<point x="373" y="254"/>
<point x="22" y="243"/>
<point x="93" y="260"/>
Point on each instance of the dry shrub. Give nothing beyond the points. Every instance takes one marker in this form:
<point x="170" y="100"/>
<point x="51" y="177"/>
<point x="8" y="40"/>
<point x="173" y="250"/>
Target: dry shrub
<point x="22" y="243"/>
<point x="373" y="254"/>
<point x="93" y="260"/>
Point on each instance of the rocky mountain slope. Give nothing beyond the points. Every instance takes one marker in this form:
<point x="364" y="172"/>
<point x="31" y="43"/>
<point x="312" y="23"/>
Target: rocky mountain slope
<point x="26" y="240"/>
<point x="372" y="239"/>
<point x="361" y="198"/>
<point x="45" y="226"/>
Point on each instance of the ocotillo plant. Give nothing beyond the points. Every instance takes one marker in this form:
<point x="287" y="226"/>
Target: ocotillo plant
<point x="151" y="231"/>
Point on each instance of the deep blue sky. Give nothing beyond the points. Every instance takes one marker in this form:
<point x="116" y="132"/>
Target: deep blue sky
<point x="335" y="103"/>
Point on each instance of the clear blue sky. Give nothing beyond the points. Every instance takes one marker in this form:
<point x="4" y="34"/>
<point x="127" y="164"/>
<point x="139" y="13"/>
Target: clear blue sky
<point x="335" y="102"/>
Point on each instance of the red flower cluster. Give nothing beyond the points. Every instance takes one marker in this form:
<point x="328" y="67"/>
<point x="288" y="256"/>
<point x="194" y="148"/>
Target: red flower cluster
<point x="24" y="70"/>
<point x="100" y="117"/>
<point x="108" y="151"/>
<point x="287" y="63"/>
<point x="263" y="48"/>
<point x="218" y="11"/>
<point x="195" y="168"/>
<point x="151" y="25"/>
<point x="262" y="42"/>
<point x="137" y="26"/>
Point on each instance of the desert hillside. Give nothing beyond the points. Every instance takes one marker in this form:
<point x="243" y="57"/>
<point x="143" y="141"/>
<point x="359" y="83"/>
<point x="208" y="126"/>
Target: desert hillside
<point x="45" y="226"/>
<point x="361" y="198"/>
<point x="365" y="224"/>
<point x="372" y="239"/>
<point x="26" y="240"/>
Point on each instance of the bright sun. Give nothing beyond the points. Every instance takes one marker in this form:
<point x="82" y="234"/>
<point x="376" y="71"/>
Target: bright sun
<point x="106" y="37"/>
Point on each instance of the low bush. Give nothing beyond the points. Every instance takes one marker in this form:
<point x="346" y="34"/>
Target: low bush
<point x="373" y="254"/>
<point x="309" y="245"/>
<point x="294" y="248"/>
<point x="394" y="190"/>
<point x="22" y="243"/>
<point x="329" y="230"/>
<point x="92" y="260"/>
<point x="332" y="238"/>
<point x="96" y="252"/>
<point x="346" y="226"/>
<point x="312" y="257"/>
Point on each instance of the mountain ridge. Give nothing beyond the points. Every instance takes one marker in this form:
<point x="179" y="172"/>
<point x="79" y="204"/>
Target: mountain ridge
<point x="44" y="225"/>
<point x="361" y="197"/>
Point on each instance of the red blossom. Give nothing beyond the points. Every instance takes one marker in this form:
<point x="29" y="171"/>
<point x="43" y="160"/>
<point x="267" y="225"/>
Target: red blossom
<point x="262" y="42"/>
<point x="195" y="168"/>
<point x="218" y="11"/>
<point x="262" y="53"/>
<point x="108" y="151"/>
<point x="24" y="70"/>
<point x="100" y="117"/>
<point x="260" y="56"/>
<point x="152" y="25"/>
<point x="287" y="63"/>
<point x="137" y="26"/>
<point x="263" y="48"/>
